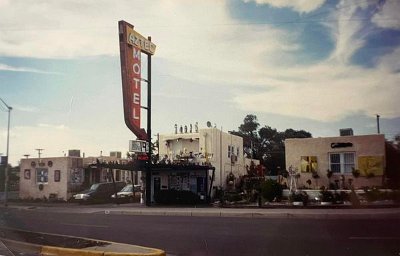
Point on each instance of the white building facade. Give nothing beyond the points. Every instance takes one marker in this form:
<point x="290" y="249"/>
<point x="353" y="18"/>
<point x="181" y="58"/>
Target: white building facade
<point x="224" y="151"/>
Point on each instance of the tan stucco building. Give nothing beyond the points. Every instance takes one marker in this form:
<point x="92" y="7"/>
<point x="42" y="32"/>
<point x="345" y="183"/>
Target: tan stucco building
<point x="311" y="156"/>
<point x="59" y="178"/>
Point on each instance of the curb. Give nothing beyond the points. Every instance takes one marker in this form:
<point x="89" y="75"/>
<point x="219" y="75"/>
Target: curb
<point x="292" y="212"/>
<point x="51" y="251"/>
<point x="111" y="249"/>
<point x="261" y="214"/>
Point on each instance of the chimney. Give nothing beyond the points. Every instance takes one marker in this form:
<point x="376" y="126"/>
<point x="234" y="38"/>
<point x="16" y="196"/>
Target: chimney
<point x="346" y="132"/>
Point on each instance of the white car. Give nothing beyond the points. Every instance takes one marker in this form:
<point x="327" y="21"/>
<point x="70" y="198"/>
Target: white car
<point x="129" y="193"/>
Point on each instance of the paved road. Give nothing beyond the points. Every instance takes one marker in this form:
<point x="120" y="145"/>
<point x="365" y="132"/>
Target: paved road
<point x="185" y="235"/>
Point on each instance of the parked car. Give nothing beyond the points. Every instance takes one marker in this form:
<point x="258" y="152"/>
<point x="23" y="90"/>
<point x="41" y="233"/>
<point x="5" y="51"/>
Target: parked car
<point x="129" y="193"/>
<point x="98" y="192"/>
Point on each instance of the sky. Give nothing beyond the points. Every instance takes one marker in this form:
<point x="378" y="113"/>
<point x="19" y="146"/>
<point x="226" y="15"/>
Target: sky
<point x="316" y="65"/>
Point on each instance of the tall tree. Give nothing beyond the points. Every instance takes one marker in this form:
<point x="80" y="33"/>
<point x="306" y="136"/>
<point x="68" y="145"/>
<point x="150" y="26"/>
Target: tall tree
<point x="248" y="130"/>
<point x="249" y="126"/>
<point x="267" y="144"/>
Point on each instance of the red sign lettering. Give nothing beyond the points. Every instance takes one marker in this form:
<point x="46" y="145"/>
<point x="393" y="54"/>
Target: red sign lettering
<point x="131" y="77"/>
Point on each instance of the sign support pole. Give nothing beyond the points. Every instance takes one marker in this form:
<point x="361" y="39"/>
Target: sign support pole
<point x="149" y="162"/>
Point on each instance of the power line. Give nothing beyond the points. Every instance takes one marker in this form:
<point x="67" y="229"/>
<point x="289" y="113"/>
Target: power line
<point x="300" y="20"/>
<point x="209" y="25"/>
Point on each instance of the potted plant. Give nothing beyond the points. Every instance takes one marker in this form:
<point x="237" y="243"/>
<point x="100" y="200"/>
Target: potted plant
<point x="271" y="190"/>
<point x="309" y="183"/>
<point x="299" y="198"/>
<point x="327" y="197"/>
<point x="355" y="172"/>
<point x="329" y="174"/>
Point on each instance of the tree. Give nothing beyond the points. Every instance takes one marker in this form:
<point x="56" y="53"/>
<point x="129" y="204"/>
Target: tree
<point x="248" y="131"/>
<point x="249" y="126"/>
<point x="266" y="144"/>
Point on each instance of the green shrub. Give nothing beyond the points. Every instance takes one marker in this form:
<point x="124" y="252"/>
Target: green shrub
<point x="373" y="194"/>
<point x="270" y="190"/>
<point x="232" y="197"/>
<point x="395" y="196"/>
<point x="327" y="196"/>
<point x="299" y="196"/>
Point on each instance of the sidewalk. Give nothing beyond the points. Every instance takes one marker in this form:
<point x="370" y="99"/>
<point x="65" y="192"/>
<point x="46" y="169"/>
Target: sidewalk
<point x="138" y="209"/>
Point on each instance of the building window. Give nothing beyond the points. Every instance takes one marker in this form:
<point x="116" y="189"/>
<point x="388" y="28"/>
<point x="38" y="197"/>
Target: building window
<point x="341" y="162"/>
<point x="42" y="175"/>
<point x="229" y="151"/>
<point x="57" y="176"/>
<point x="118" y="175"/>
<point x="27" y="174"/>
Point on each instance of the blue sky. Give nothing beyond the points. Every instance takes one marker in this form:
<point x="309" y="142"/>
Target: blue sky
<point x="313" y="65"/>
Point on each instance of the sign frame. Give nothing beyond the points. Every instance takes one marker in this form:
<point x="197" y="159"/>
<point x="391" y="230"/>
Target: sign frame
<point x="131" y="44"/>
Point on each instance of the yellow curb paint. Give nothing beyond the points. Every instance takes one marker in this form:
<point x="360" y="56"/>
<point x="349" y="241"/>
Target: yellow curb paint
<point x="52" y="251"/>
<point x="58" y="251"/>
<point x="159" y="253"/>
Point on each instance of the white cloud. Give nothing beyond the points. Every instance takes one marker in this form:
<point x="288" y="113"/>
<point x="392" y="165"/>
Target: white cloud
<point x="5" y="67"/>
<point x="348" y="30"/>
<point x="56" y="139"/>
<point x="329" y="92"/>
<point x="54" y="127"/>
<point x="213" y="50"/>
<point x="302" y="6"/>
<point x="30" y="109"/>
<point x="334" y="88"/>
<point x="387" y="16"/>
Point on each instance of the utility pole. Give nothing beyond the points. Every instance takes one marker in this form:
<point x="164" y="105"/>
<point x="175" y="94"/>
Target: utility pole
<point x="39" y="150"/>
<point x="149" y="162"/>
<point x="377" y="123"/>
<point x="8" y="146"/>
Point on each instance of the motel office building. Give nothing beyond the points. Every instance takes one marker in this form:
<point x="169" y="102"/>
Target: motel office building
<point x="210" y="146"/>
<point x="310" y="156"/>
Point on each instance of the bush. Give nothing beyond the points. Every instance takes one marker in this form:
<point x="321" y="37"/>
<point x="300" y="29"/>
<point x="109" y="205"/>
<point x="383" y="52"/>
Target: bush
<point x="327" y="196"/>
<point x="299" y="196"/>
<point x="232" y="197"/>
<point x="270" y="189"/>
<point x="355" y="172"/>
<point x="395" y="196"/>
<point x="341" y="197"/>
<point x="375" y="194"/>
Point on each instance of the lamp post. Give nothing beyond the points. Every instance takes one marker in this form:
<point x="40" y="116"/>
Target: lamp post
<point x="8" y="144"/>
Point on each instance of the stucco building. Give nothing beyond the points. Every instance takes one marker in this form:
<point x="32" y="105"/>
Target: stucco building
<point x="209" y="146"/>
<point x="313" y="157"/>
<point x="59" y="178"/>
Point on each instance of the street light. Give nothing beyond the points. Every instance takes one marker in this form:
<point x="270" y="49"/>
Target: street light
<point x="8" y="144"/>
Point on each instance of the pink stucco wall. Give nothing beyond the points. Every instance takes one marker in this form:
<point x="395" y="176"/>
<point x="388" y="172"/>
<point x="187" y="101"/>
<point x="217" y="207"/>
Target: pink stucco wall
<point x="364" y="145"/>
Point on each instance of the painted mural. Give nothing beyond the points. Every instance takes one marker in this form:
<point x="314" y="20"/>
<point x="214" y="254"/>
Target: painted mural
<point x="308" y="164"/>
<point x="370" y="165"/>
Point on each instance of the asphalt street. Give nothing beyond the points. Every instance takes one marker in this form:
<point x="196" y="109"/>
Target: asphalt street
<point x="186" y="235"/>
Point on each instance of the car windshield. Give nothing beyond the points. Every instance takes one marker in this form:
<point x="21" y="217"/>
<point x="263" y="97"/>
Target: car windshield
<point x="94" y="187"/>
<point x="127" y="188"/>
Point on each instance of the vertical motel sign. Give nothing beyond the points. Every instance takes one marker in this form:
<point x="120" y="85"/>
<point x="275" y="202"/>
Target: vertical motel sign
<point x="132" y="44"/>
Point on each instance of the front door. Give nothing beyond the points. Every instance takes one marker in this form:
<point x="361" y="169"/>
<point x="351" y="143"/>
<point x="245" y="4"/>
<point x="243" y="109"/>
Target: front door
<point x="156" y="185"/>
